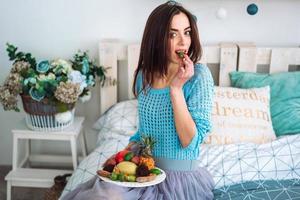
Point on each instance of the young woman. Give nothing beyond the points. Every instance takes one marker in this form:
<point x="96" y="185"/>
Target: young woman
<point x="174" y="103"/>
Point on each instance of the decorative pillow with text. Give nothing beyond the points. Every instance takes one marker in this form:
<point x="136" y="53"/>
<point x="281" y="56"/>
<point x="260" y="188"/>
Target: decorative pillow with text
<point x="241" y="115"/>
<point x="285" y="97"/>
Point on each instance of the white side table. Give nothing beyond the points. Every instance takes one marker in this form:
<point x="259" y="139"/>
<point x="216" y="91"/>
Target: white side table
<point x="33" y="177"/>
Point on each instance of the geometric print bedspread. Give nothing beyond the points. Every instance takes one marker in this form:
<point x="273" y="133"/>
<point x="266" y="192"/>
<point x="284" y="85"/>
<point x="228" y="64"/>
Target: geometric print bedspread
<point x="236" y="163"/>
<point x="229" y="164"/>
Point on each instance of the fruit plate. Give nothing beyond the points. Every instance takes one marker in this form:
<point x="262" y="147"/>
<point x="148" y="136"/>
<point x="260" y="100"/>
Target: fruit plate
<point x="158" y="179"/>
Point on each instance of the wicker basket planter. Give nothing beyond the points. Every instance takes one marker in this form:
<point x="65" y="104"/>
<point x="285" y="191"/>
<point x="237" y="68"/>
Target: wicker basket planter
<point x="40" y="115"/>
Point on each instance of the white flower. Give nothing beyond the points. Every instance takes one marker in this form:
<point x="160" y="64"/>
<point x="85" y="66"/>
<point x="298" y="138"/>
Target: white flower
<point x="76" y="77"/>
<point x="31" y="80"/>
<point x="63" y="117"/>
<point x="42" y="77"/>
<point x="67" y="66"/>
<point x="51" y="76"/>
<point x="86" y="97"/>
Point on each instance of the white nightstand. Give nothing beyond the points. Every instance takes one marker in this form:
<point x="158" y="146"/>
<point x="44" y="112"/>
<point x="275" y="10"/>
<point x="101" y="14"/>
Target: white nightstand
<point x="33" y="177"/>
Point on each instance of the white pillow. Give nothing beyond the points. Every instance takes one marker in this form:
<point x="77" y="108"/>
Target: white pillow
<point x="241" y="115"/>
<point x="120" y="119"/>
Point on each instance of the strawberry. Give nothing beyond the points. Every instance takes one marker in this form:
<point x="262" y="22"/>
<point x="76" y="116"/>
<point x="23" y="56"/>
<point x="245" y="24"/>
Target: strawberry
<point x="135" y="160"/>
<point x="120" y="155"/>
<point x="119" y="159"/>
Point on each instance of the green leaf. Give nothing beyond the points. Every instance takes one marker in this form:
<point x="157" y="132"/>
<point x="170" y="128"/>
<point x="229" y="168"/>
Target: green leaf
<point x="28" y="56"/>
<point x="52" y="82"/>
<point x="61" y="107"/>
<point x="41" y="91"/>
<point x="11" y="50"/>
<point x="64" y="78"/>
<point x="19" y="55"/>
<point x="25" y="89"/>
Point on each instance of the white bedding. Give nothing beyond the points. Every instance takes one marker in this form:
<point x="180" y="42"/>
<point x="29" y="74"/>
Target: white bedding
<point x="228" y="164"/>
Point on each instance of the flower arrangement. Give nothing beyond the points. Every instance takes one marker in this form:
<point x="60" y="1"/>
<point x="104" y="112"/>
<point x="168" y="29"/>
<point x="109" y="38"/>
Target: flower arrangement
<point x="59" y="81"/>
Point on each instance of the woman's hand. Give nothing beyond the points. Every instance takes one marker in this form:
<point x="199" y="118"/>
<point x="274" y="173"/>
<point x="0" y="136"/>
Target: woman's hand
<point x="185" y="72"/>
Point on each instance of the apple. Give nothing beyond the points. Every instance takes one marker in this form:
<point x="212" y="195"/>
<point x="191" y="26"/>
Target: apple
<point x="127" y="167"/>
<point x="120" y="155"/>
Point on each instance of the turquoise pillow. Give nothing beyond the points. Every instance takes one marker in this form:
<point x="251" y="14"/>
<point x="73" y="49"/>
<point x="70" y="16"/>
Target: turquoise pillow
<point x="285" y="97"/>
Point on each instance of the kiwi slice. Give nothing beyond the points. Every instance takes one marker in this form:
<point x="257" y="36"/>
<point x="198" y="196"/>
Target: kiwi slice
<point x="180" y="54"/>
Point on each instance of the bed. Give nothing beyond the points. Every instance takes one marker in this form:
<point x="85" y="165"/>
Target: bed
<point x="243" y="170"/>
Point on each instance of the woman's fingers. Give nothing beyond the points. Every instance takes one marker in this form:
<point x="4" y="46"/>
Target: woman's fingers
<point x="189" y="66"/>
<point x="187" y="59"/>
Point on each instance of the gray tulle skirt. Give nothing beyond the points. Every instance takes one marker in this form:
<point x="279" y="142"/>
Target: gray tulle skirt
<point x="181" y="185"/>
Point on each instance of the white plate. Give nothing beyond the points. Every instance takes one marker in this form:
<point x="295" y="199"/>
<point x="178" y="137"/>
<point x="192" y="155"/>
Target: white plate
<point x="158" y="179"/>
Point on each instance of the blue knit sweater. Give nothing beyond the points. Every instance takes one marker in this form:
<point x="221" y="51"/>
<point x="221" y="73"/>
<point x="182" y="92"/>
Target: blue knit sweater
<point x="156" y="117"/>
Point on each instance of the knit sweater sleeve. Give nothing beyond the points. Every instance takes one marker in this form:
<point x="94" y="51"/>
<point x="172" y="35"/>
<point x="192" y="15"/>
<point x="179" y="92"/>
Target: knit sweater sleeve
<point x="199" y="102"/>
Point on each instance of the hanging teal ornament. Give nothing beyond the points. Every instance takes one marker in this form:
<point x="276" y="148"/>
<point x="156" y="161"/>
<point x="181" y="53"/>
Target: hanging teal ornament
<point x="252" y="9"/>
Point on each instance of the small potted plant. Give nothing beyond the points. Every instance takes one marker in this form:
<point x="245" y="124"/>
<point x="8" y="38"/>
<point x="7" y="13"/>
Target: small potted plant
<point x="49" y="89"/>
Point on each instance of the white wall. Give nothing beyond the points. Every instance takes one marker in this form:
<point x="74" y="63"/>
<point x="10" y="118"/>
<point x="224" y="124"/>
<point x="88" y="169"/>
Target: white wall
<point x="58" y="28"/>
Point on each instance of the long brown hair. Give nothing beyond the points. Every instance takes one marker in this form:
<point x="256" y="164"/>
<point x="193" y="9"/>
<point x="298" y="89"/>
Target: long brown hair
<point x="153" y="58"/>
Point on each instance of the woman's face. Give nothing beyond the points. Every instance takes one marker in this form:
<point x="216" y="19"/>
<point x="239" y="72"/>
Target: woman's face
<point x="179" y="37"/>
